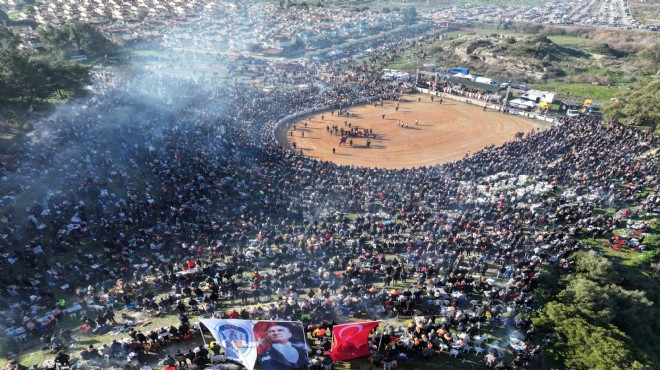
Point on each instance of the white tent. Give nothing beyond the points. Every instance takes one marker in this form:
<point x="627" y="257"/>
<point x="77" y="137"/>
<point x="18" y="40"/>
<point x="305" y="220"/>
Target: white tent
<point x="464" y="76"/>
<point x="522" y="104"/>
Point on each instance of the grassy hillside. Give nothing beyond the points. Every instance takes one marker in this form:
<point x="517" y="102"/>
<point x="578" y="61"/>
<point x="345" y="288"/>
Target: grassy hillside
<point x="588" y="64"/>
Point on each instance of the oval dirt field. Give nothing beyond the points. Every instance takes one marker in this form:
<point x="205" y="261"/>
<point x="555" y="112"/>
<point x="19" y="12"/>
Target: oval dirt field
<point x="445" y="132"/>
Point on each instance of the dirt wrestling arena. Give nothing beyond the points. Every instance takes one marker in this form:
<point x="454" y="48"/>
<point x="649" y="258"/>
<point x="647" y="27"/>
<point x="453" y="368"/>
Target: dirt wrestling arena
<point x="446" y="132"/>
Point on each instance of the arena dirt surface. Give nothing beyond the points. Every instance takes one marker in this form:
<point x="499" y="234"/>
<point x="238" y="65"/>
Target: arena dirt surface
<point x="446" y="132"/>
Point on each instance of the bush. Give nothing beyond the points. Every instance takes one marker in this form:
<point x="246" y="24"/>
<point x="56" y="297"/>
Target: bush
<point x="647" y="259"/>
<point x="626" y="42"/>
<point x="587" y="78"/>
<point x="605" y="49"/>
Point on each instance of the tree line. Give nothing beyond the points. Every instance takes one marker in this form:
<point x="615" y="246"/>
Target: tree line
<point x="37" y="74"/>
<point x="604" y="315"/>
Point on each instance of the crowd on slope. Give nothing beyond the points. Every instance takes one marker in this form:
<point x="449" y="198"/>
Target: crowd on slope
<point x="164" y="195"/>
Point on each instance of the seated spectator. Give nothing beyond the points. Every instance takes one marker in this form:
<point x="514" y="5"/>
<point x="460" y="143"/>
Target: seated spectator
<point x="327" y="362"/>
<point x="203" y="351"/>
<point x="169" y="361"/>
<point x="388" y="359"/>
<point x="174" y="332"/>
<point x="200" y="361"/>
<point x="15" y="365"/>
<point x="216" y="348"/>
<point x="428" y="352"/>
<point x="376" y="359"/>
<point x="104" y="351"/>
<point x="190" y="355"/>
<point x="180" y="358"/>
<point x="62" y="358"/>
<point x="116" y="347"/>
<point x="233" y="314"/>
<point x="90" y="354"/>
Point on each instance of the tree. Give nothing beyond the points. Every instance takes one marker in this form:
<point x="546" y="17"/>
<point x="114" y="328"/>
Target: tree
<point x="8" y="39"/>
<point x="554" y="313"/>
<point x="67" y="77"/>
<point x="595" y="267"/>
<point x="584" y="345"/>
<point x="410" y="15"/>
<point x="73" y="39"/>
<point x="642" y="106"/>
<point x="598" y="323"/>
<point x="652" y="54"/>
<point x="21" y="76"/>
<point x="6" y="21"/>
<point x="27" y="75"/>
<point x="594" y="347"/>
<point x="593" y="301"/>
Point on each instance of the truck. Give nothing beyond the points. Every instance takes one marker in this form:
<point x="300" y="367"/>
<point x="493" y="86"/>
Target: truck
<point x="486" y="80"/>
<point x="465" y="71"/>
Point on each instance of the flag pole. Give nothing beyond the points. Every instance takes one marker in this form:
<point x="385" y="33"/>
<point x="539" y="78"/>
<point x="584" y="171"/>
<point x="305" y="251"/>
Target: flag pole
<point x="381" y="340"/>
<point x="201" y="333"/>
<point x="307" y="346"/>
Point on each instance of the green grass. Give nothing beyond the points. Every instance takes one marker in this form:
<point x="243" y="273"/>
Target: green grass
<point x="491" y="30"/>
<point x="14" y="16"/>
<point x="36" y="356"/>
<point x="148" y="53"/>
<point x="486" y="31"/>
<point x="566" y="40"/>
<point x="584" y="91"/>
<point x="626" y="257"/>
<point x="402" y="64"/>
<point x="17" y="119"/>
<point x="604" y="72"/>
<point x="648" y="128"/>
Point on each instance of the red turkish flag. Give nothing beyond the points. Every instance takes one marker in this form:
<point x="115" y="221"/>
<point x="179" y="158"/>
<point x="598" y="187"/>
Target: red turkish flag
<point x="350" y="340"/>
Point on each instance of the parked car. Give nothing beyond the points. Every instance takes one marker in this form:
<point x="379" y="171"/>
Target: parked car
<point x="573" y="113"/>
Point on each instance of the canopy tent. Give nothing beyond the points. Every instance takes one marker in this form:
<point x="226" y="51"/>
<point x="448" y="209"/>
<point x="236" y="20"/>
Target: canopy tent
<point x="522" y="104"/>
<point x="465" y="76"/>
<point x="477" y="85"/>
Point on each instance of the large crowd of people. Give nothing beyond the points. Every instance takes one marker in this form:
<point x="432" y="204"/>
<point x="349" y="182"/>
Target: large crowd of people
<point x="162" y="195"/>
